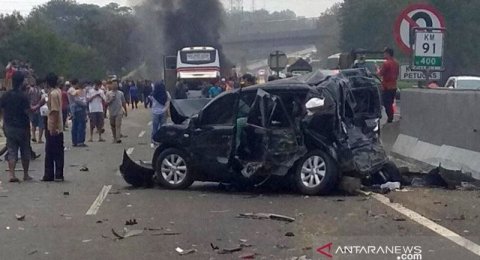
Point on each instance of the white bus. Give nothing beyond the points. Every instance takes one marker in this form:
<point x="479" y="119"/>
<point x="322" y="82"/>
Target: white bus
<point x="198" y="64"/>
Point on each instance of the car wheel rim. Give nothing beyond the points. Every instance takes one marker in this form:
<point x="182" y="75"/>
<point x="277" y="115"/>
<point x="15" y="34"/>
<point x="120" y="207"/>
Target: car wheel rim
<point x="174" y="169"/>
<point x="313" y="171"/>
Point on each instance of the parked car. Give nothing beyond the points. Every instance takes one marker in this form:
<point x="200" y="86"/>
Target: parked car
<point x="463" y="82"/>
<point x="309" y="130"/>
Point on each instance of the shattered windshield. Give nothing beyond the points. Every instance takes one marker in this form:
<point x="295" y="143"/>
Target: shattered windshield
<point x="239" y="129"/>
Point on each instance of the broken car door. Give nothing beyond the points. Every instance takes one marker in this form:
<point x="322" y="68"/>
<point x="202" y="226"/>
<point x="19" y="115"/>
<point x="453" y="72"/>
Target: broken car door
<point x="268" y="140"/>
<point x="213" y="134"/>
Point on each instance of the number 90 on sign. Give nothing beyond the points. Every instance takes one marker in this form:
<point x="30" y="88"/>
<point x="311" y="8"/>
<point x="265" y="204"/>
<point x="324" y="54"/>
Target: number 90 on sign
<point x="428" y="61"/>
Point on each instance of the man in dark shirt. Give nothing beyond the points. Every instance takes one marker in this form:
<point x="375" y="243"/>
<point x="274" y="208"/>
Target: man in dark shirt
<point x="16" y="125"/>
<point x="389" y="73"/>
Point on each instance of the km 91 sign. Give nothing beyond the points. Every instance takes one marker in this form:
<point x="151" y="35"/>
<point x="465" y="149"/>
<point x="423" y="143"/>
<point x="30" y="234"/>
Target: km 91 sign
<point x="428" y="49"/>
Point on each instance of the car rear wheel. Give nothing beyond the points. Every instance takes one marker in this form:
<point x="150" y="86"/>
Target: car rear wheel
<point x="316" y="173"/>
<point x="173" y="169"/>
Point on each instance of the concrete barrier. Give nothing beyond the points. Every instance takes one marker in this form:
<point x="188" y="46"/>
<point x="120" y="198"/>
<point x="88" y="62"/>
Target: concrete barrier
<point x="441" y="127"/>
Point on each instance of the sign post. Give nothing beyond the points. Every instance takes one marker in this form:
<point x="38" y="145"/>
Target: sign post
<point x="277" y="61"/>
<point x="419" y="32"/>
<point x="428" y="51"/>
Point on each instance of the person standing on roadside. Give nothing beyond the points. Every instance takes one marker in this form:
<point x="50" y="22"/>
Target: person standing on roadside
<point x="35" y="97"/>
<point x="16" y="126"/>
<point x="389" y="73"/>
<point x="79" y="122"/>
<point x="161" y="101"/>
<point x="115" y="102"/>
<point x="181" y="90"/>
<point x="95" y="99"/>
<point x="65" y="105"/>
<point x="54" y="149"/>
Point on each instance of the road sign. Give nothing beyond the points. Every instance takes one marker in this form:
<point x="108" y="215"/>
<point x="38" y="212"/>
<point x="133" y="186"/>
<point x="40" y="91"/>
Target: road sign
<point x="428" y="50"/>
<point x="277" y="61"/>
<point x="416" y="15"/>
<point x="406" y="73"/>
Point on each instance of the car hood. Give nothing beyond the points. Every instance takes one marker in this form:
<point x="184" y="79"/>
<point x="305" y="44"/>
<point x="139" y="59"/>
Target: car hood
<point x="183" y="109"/>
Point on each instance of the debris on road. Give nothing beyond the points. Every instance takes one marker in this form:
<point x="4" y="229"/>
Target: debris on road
<point x="266" y="216"/>
<point x="399" y="219"/>
<point x="461" y="217"/>
<point x="131" y="222"/>
<point x="185" y="252"/>
<point x="127" y="233"/>
<point x="114" y="192"/>
<point x="247" y="256"/>
<point x="303" y="257"/>
<point x="166" y="234"/>
<point x="84" y="169"/>
<point x="66" y="193"/>
<point x="289" y="234"/>
<point x="391" y="186"/>
<point x="20" y="217"/>
<point x="66" y="216"/>
<point x="33" y="252"/>
<point x="86" y="240"/>
<point x="467" y="186"/>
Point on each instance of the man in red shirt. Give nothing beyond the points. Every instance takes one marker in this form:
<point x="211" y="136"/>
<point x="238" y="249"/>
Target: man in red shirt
<point x="389" y="73"/>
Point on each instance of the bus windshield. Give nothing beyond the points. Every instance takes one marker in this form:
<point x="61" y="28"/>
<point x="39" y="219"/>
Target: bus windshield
<point x="197" y="57"/>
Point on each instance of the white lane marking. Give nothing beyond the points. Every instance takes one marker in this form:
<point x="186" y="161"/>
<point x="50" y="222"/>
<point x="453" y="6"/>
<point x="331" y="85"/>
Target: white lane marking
<point x="130" y="150"/>
<point x="442" y="231"/>
<point x="141" y="134"/>
<point x="99" y="200"/>
<point x="150" y="123"/>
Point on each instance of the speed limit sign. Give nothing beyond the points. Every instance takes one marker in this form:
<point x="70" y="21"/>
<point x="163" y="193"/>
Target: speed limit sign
<point x="428" y="49"/>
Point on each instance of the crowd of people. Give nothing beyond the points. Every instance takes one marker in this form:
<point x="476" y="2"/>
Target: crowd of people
<point x="35" y="110"/>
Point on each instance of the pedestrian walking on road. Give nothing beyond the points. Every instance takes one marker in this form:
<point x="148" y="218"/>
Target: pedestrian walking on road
<point x="161" y="101"/>
<point x="134" y="95"/>
<point x="389" y="73"/>
<point x="54" y="147"/>
<point x="95" y="99"/>
<point x="147" y="91"/>
<point x="15" y="107"/>
<point x="115" y="102"/>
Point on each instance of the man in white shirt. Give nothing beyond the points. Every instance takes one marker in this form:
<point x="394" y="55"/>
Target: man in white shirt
<point x="95" y="99"/>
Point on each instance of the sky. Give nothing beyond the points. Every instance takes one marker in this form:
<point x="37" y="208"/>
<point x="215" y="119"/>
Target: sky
<point x="308" y="8"/>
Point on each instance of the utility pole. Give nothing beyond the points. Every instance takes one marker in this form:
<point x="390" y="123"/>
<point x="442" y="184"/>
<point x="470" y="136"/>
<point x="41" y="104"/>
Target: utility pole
<point x="253" y="6"/>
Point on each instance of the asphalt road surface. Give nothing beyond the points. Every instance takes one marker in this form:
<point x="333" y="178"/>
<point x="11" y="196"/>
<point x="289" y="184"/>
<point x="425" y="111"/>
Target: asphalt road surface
<point x="56" y="224"/>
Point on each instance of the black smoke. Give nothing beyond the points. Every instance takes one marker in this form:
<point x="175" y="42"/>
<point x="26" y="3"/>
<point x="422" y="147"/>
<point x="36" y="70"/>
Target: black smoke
<point x="170" y="25"/>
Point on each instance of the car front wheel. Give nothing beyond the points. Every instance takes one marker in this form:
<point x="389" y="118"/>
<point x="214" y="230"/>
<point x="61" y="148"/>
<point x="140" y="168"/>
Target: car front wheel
<point x="173" y="169"/>
<point x="316" y="173"/>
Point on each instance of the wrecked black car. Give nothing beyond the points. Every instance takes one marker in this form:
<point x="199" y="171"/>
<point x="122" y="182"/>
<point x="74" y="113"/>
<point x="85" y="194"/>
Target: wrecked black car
<point x="310" y="130"/>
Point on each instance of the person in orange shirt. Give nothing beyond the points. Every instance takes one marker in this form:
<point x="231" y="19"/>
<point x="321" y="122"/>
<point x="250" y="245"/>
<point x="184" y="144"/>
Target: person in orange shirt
<point x="389" y="73"/>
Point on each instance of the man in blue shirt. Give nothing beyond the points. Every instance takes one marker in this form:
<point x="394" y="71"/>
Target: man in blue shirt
<point x="214" y="91"/>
